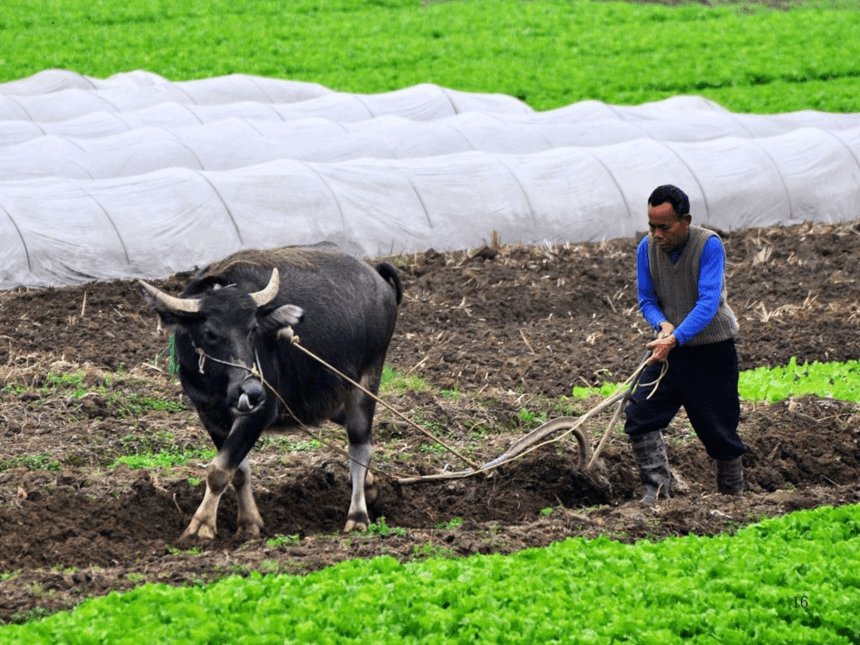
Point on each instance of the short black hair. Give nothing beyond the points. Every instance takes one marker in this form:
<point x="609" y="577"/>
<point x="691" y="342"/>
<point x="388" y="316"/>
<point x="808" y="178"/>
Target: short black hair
<point x="673" y="195"/>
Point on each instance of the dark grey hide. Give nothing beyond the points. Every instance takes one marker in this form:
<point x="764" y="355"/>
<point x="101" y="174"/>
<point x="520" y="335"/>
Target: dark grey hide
<point x="231" y="360"/>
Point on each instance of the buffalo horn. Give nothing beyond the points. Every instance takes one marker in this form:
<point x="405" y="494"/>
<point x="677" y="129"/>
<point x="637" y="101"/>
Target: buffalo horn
<point x="170" y="303"/>
<point x="268" y="294"/>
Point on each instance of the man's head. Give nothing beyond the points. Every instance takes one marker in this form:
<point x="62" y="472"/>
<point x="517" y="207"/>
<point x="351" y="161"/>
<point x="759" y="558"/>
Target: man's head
<point x="668" y="216"/>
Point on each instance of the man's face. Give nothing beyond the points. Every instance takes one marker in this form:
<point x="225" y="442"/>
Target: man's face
<point x="667" y="228"/>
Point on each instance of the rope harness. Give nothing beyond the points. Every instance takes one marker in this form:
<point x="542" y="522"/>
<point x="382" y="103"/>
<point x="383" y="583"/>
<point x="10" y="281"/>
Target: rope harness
<point x="286" y="334"/>
<point x="519" y="449"/>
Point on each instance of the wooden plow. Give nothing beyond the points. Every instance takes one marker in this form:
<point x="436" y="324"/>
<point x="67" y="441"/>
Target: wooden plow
<point x="550" y="432"/>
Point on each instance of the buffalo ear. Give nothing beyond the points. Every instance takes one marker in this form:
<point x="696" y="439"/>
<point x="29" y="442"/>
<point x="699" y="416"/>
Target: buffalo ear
<point x="283" y="316"/>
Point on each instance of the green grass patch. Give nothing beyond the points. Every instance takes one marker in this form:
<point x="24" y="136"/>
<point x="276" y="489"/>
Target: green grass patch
<point x="31" y="462"/>
<point x="120" y="399"/>
<point x="287" y="443"/>
<point x="530" y="420"/>
<point x="394" y="381"/>
<point x="451" y="524"/>
<point x="164" y="459"/>
<point x="133" y="404"/>
<point x="74" y="383"/>
<point x="380" y="528"/>
<point x="283" y="540"/>
<point x="159" y="449"/>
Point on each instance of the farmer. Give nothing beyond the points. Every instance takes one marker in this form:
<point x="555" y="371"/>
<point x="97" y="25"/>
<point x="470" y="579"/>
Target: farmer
<point x="682" y="294"/>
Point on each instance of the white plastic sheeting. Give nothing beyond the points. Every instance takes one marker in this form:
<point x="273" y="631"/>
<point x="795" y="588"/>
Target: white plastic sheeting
<point x="237" y="142"/>
<point x="60" y="97"/>
<point x="161" y="195"/>
<point x="54" y="80"/>
<point x="98" y="112"/>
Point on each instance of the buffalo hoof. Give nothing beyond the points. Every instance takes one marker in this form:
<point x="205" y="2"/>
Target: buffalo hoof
<point x="248" y="530"/>
<point x="356" y="525"/>
<point x="197" y="531"/>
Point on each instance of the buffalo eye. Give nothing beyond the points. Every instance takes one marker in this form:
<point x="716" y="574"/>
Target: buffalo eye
<point x="210" y="337"/>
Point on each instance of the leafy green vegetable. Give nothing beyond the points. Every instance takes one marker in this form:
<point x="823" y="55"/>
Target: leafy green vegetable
<point x="831" y="380"/>
<point x="772" y="582"/>
<point x="550" y="53"/>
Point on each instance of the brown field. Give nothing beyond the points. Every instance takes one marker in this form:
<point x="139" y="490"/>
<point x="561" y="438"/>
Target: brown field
<point x="500" y="334"/>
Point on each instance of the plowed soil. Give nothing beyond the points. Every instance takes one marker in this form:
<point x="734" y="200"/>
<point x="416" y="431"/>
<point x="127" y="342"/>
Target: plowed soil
<point x="499" y="335"/>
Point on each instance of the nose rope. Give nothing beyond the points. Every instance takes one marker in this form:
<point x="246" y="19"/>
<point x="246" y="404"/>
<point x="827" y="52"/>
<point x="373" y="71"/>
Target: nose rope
<point x="254" y="370"/>
<point x="257" y="371"/>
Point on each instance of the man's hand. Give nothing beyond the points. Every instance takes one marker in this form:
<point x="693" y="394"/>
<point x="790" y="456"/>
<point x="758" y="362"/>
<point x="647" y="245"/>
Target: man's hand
<point x="661" y="347"/>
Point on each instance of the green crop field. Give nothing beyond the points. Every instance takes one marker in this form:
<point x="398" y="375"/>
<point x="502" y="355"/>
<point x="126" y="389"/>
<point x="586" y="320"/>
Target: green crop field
<point x="549" y="53"/>
<point x="784" y="580"/>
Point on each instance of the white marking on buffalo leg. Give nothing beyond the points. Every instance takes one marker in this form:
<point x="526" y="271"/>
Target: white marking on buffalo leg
<point x="358" y="519"/>
<point x="249" y="521"/>
<point x="371" y="488"/>
<point x="203" y="523"/>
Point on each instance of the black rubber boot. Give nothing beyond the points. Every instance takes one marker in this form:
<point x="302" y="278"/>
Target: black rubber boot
<point x="650" y="454"/>
<point x="730" y="477"/>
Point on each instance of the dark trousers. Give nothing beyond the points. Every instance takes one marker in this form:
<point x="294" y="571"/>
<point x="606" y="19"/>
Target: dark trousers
<point x="702" y="378"/>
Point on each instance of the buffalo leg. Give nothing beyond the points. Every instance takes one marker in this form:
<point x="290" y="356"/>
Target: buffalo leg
<point x="229" y="466"/>
<point x="359" y="417"/>
<point x="359" y="456"/>
<point x="249" y="520"/>
<point x="218" y="477"/>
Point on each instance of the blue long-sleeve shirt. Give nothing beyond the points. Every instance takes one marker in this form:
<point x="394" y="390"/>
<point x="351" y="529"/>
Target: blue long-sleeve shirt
<point x="711" y="267"/>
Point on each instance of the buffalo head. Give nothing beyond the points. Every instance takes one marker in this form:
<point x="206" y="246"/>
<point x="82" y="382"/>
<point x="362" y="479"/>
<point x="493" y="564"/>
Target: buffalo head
<point x="220" y="333"/>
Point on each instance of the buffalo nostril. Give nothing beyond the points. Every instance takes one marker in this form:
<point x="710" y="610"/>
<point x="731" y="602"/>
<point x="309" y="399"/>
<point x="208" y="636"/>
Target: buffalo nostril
<point x="253" y="388"/>
<point x="251" y="394"/>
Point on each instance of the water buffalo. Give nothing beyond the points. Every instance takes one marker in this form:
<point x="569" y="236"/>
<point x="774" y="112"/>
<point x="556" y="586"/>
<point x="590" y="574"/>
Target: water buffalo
<point x="243" y="378"/>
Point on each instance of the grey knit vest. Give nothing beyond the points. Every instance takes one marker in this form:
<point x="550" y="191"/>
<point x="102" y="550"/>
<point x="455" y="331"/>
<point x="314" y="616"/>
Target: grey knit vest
<point x="676" y="286"/>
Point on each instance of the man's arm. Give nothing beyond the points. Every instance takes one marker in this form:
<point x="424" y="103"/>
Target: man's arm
<point x="648" y="303"/>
